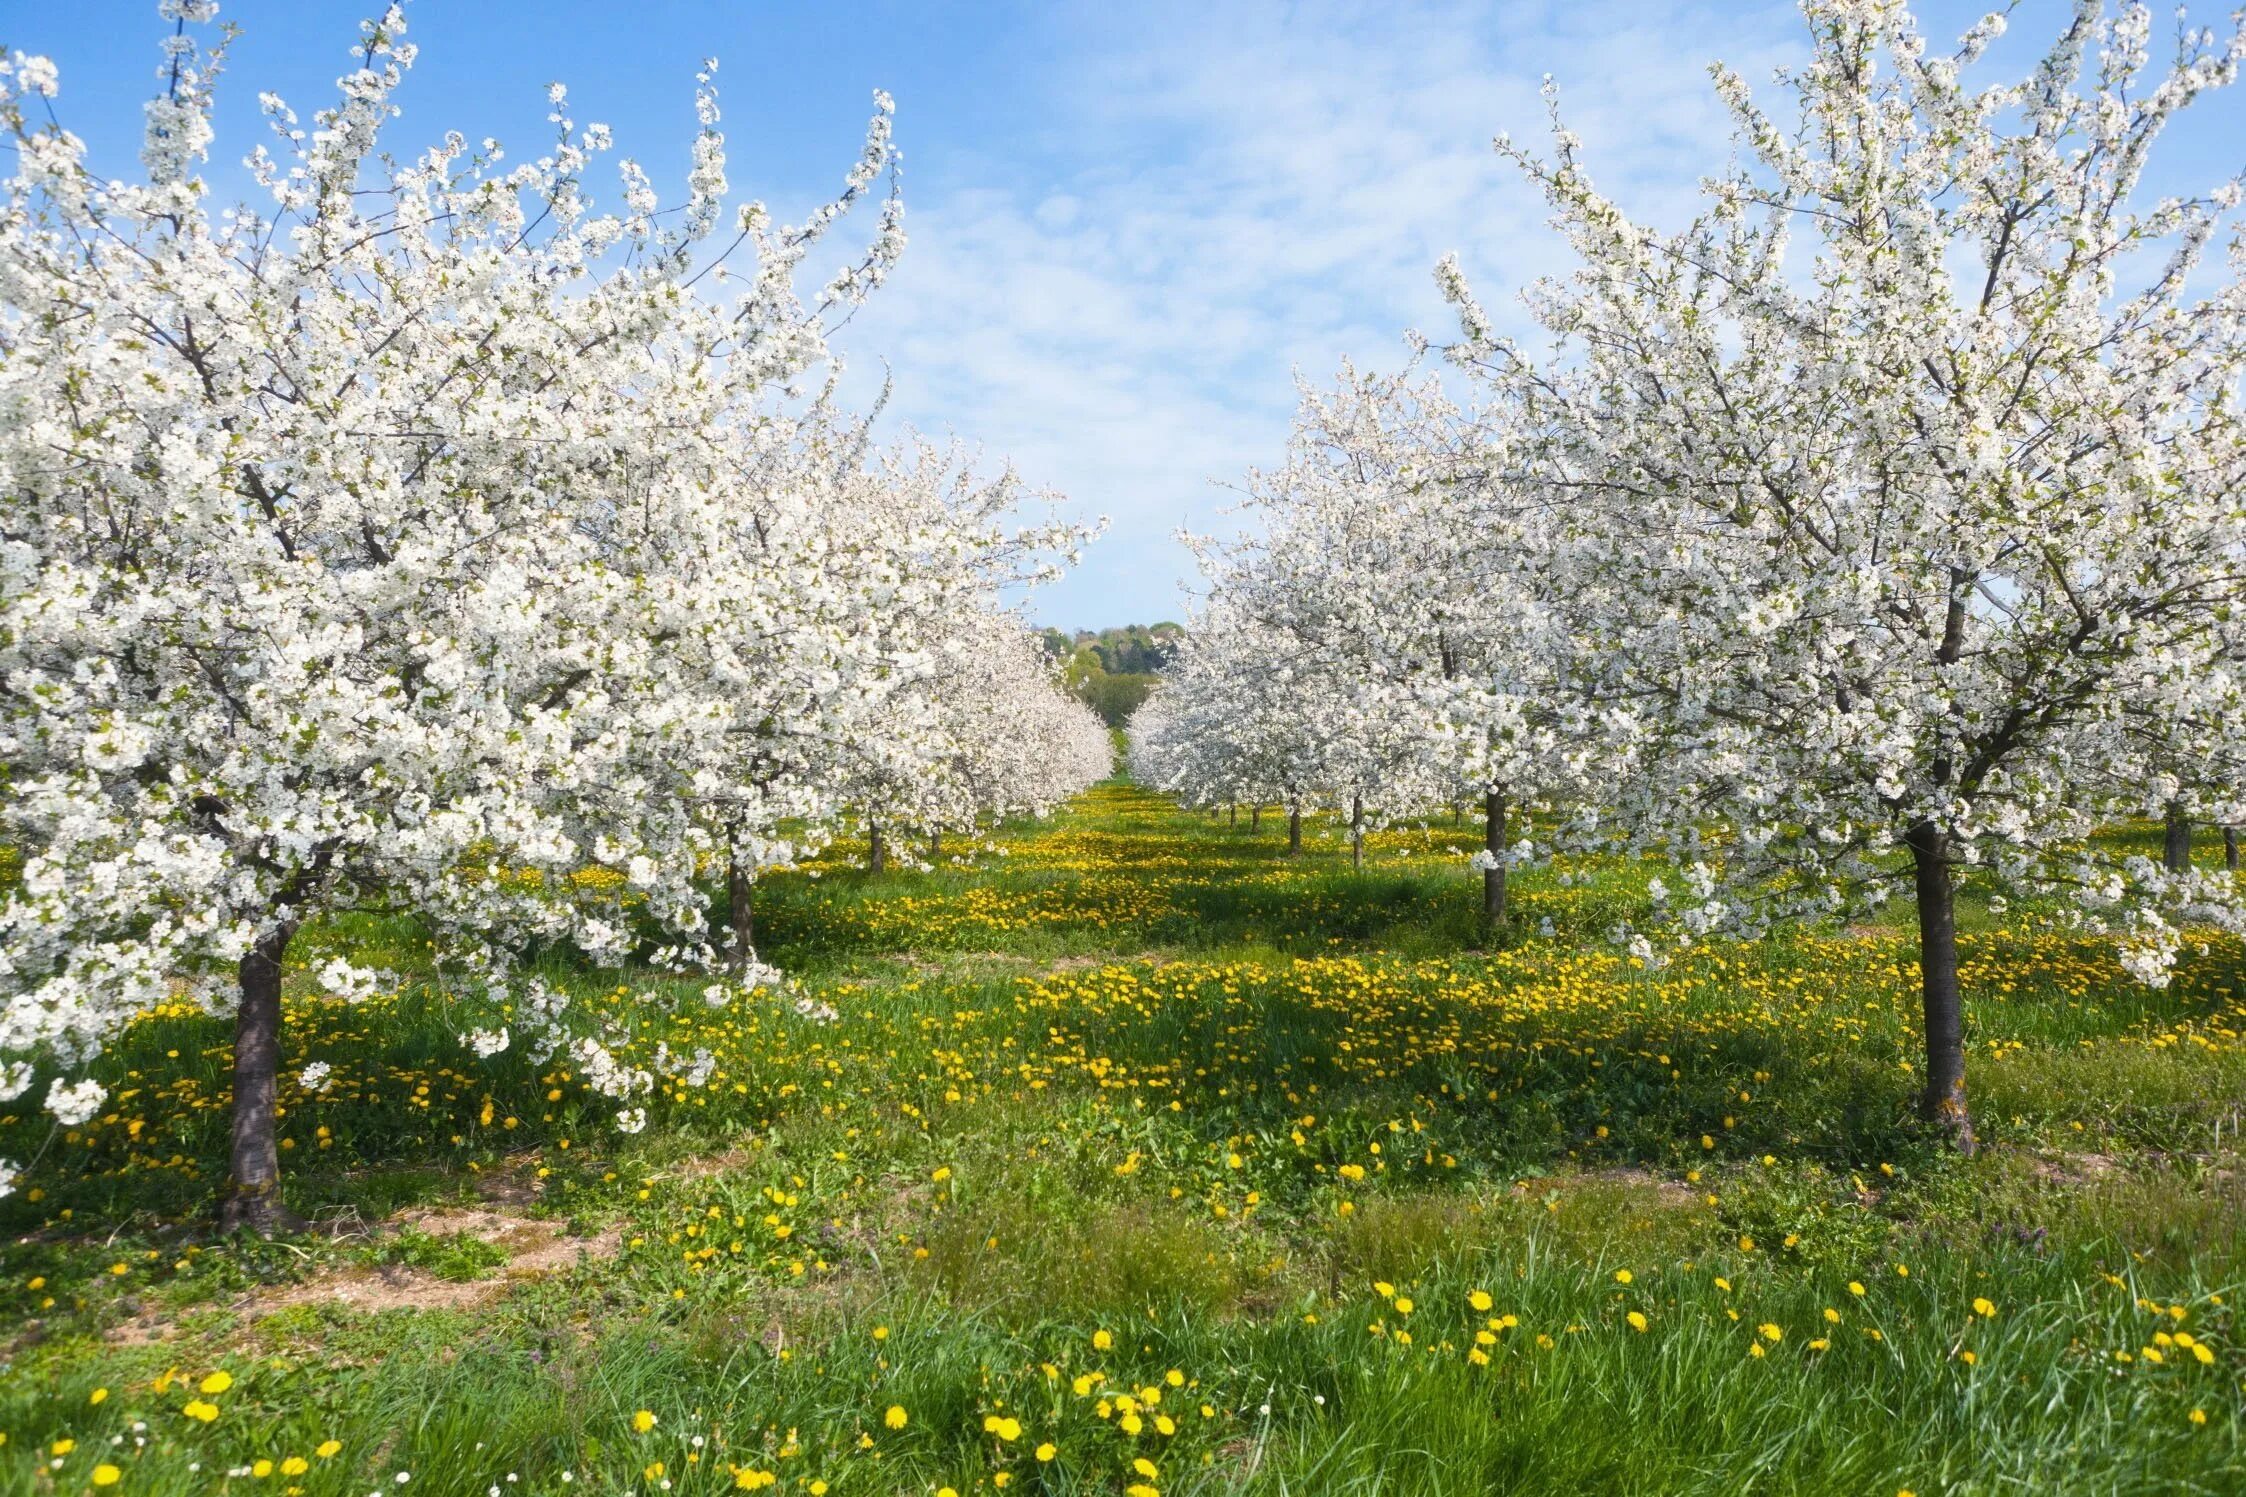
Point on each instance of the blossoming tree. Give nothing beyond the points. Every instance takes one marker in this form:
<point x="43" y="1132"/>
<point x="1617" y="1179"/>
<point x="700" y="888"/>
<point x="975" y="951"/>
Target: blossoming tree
<point x="395" y="546"/>
<point x="1903" y="534"/>
<point x="1398" y="544"/>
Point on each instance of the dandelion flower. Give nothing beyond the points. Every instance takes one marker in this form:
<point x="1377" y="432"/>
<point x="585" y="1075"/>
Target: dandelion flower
<point x="896" y="1418"/>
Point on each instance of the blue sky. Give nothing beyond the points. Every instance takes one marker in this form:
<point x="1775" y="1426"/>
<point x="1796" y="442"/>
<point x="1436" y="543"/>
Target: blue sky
<point x="1131" y="224"/>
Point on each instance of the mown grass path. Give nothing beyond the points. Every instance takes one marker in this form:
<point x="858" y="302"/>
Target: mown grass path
<point x="1127" y="1154"/>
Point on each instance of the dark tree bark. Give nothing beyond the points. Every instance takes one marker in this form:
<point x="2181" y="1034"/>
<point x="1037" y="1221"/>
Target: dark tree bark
<point x="253" y="1192"/>
<point x="1943" y="1102"/>
<point x="1294" y="831"/>
<point x="935" y="844"/>
<point x="2175" y="846"/>
<point x="877" y="855"/>
<point x="1494" y="838"/>
<point x="1357" y="832"/>
<point x="740" y="913"/>
<point x="1232" y="813"/>
<point x="2230" y="849"/>
<point x="1255" y="818"/>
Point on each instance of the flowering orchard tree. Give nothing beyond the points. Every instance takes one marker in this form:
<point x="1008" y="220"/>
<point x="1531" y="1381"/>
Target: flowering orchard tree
<point x="1225" y="724"/>
<point x="941" y="752"/>
<point x="1248" y="712"/>
<point x="1906" y="535"/>
<point x="1396" y="545"/>
<point x="1019" y="744"/>
<point x="372" y="549"/>
<point x="1003" y="739"/>
<point x="841" y="699"/>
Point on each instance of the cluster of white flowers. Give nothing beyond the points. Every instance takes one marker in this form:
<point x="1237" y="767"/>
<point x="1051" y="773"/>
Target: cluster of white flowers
<point x="75" y="1103"/>
<point x="1394" y="637"/>
<point x="438" y="536"/>
<point x="1884" y="525"/>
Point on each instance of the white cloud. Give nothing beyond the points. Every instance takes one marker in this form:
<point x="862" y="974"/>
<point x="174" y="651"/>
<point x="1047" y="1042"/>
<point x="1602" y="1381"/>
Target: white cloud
<point x="1231" y="194"/>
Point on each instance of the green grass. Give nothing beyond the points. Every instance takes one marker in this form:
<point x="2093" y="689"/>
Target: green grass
<point x="1139" y="1095"/>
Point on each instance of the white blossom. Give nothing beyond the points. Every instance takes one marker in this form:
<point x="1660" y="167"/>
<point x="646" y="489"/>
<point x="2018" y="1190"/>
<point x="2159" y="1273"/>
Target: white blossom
<point x="73" y="1103"/>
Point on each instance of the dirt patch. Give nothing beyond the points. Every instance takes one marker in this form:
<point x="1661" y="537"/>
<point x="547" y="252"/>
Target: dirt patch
<point x="703" y="1166"/>
<point x="1665" y="1191"/>
<point x="2076" y="1170"/>
<point x="533" y="1249"/>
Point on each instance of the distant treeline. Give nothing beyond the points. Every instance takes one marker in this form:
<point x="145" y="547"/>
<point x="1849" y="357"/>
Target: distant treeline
<point x="1113" y="669"/>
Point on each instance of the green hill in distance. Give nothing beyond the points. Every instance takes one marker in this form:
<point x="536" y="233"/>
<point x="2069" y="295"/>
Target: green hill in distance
<point x="1112" y="670"/>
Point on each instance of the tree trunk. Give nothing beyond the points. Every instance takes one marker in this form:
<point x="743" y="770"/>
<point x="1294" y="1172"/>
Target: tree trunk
<point x="253" y="1192"/>
<point x="1944" y="1100"/>
<point x="2175" y="847"/>
<point x="2230" y="849"/>
<point x="1255" y="818"/>
<point x="1294" y="830"/>
<point x="1493" y="842"/>
<point x="935" y="844"/>
<point x="1232" y="812"/>
<point x="740" y="913"/>
<point x="877" y="856"/>
<point x="1357" y="832"/>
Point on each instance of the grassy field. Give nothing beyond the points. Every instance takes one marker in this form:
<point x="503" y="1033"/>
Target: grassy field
<point x="1139" y="1158"/>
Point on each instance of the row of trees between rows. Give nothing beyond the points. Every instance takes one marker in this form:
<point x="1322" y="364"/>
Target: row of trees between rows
<point x="417" y="537"/>
<point x="1883" y="526"/>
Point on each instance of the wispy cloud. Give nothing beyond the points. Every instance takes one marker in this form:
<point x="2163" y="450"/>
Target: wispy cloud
<point x="1228" y="195"/>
